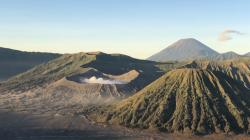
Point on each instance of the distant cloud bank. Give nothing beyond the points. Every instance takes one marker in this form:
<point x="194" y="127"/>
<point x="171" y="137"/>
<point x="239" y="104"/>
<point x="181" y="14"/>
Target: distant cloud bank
<point x="227" y="35"/>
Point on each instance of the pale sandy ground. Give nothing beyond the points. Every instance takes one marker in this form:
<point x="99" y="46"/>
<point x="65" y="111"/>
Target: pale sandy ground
<point x="24" y="125"/>
<point x="35" y="126"/>
<point x="27" y="117"/>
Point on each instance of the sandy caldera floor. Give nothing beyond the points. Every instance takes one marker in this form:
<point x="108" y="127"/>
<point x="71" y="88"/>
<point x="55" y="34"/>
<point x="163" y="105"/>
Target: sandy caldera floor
<point x="28" y="117"/>
<point x="35" y="126"/>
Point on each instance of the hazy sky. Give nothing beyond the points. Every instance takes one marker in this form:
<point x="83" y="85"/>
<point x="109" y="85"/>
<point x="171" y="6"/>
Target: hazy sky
<point x="138" y="28"/>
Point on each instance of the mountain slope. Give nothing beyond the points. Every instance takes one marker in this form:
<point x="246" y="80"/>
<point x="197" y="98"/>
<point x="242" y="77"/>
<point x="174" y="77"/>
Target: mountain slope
<point x="184" y="49"/>
<point x="77" y="64"/>
<point x="247" y="54"/>
<point x="185" y="100"/>
<point x="237" y="69"/>
<point x="227" y="56"/>
<point x="13" y="62"/>
<point x="73" y="81"/>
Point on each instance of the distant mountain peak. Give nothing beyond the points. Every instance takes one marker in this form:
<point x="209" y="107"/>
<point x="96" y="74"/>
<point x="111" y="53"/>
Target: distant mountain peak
<point x="184" y="49"/>
<point x="186" y="41"/>
<point x="189" y="39"/>
<point x="230" y="52"/>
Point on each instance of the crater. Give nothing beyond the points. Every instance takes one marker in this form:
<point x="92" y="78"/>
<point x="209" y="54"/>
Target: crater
<point x="94" y="76"/>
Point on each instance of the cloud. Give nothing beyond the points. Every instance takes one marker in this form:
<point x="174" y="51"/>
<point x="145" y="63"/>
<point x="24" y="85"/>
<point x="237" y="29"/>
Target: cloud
<point x="101" y="81"/>
<point x="227" y="35"/>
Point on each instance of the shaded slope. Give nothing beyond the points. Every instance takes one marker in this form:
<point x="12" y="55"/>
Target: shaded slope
<point x="184" y="49"/>
<point x="13" y="62"/>
<point x="185" y="100"/>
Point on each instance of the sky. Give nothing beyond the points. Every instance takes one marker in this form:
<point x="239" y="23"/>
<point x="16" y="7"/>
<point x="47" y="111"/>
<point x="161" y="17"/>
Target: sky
<point x="138" y="28"/>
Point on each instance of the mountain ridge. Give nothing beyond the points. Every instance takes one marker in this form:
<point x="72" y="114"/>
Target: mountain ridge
<point x="227" y="56"/>
<point x="73" y="64"/>
<point x="13" y="62"/>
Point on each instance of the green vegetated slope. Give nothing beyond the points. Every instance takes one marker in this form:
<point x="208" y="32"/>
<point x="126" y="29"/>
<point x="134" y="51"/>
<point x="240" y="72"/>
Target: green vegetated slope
<point x="13" y="62"/>
<point x="72" y="64"/>
<point x="185" y="100"/>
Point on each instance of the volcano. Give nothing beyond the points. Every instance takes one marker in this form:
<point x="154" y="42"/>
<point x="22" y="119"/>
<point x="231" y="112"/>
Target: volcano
<point x="185" y="100"/>
<point x="184" y="49"/>
<point x="77" y="80"/>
